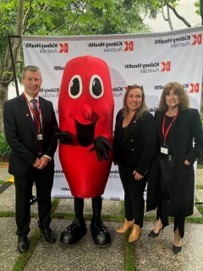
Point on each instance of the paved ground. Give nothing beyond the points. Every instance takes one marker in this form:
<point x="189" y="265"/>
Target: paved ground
<point x="149" y="254"/>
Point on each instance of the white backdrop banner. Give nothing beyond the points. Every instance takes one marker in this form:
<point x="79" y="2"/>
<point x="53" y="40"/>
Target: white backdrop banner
<point x="151" y="60"/>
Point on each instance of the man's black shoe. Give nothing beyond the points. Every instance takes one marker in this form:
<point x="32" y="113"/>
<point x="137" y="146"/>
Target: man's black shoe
<point x="48" y="235"/>
<point x="73" y="233"/>
<point x="100" y="234"/>
<point x="23" y="244"/>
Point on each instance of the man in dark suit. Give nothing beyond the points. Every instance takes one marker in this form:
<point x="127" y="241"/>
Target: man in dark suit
<point x="29" y="132"/>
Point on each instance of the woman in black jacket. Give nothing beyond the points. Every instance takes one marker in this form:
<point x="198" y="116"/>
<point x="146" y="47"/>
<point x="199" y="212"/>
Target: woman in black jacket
<point x="135" y="145"/>
<point x="181" y="141"/>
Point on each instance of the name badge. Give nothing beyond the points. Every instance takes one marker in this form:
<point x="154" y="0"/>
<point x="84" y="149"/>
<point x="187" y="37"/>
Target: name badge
<point x="164" y="150"/>
<point x="39" y="137"/>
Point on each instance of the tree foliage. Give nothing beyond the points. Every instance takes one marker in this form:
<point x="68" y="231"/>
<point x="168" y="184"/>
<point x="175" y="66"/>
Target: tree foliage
<point x="171" y="6"/>
<point x="60" y="18"/>
<point x="69" y="17"/>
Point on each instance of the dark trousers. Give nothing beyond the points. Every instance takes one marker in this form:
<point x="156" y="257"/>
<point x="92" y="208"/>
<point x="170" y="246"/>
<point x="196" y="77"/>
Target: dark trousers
<point x="162" y="210"/>
<point x="133" y="195"/>
<point x="96" y="208"/>
<point x="23" y="184"/>
<point x="179" y="222"/>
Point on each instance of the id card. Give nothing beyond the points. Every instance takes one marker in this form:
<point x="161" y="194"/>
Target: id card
<point x="40" y="137"/>
<point x="164" y="150"/>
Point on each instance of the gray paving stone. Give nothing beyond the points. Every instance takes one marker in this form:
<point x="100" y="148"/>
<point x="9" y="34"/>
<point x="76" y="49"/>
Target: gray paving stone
<point x="8" y="248"/>
<point x="155" y="254"/>
<point x="83" y="256"/>
<point x="150" y="254"/>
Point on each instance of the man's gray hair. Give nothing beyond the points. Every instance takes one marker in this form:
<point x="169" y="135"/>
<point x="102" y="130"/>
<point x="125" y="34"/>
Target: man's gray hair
<point x="31" y="68"/>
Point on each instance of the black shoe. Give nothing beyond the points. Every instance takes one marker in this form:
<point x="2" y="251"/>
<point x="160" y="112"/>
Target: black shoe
<point x="48" y="235"/>
<point x="100" y="234"/>
<point x="176" y="249"/>
<point x="73" y="233"/>
<point x="23" y="244"/>
<point x="155" y="234"/>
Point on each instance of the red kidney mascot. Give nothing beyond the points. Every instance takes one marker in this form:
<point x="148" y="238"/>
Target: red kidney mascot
<point x="85" y="135"/>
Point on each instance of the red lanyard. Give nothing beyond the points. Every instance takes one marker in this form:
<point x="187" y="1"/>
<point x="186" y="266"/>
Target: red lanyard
<point x="165" y="133"/>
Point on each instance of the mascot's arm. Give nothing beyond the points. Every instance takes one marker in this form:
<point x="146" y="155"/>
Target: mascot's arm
<point x="63" y="136"/>
<point x="102" y="148"/>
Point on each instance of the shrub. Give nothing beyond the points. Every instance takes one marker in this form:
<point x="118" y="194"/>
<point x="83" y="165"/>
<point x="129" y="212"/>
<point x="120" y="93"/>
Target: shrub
<point x="4" y="148"/>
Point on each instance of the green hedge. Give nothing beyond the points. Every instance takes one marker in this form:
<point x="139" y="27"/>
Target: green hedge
<point x="4" y="148"/>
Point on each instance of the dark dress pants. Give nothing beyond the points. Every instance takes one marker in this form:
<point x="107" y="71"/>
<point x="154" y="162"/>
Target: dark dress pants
<point x="96" y="208"/>
<point x="133" y="195"/>
<point x="23" y="184"/>
<point x="166" y="170"/>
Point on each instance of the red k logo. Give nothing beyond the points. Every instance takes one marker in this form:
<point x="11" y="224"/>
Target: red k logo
<point x="194" y="88"/>
<point x="197" y="39"/>
<point x="166" y="66"/>
<point x="129" y="46"/>
<point x="63" y="48"/>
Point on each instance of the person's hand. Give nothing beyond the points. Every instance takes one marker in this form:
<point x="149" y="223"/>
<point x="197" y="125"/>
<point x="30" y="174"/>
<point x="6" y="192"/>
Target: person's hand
<point x="102" y="148"/>
<point x="63" y="136"/>
<point x="37" y="163"/>
<point x="137" y="176"/>
<point x="186" y="162"/>
<point x="44" y="160"/>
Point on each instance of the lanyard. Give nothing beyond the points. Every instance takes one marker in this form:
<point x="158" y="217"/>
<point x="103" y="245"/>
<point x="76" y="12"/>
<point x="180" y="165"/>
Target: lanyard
<point x="166" y="132"/>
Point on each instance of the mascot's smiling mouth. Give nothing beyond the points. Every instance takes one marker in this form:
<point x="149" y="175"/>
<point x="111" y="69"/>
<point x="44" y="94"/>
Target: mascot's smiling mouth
<point x="85" y="133"/>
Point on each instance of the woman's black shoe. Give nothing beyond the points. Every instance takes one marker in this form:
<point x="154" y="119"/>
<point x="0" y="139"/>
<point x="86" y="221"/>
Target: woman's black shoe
<point x="176" y="249"/>
<point x="155" y="234"/>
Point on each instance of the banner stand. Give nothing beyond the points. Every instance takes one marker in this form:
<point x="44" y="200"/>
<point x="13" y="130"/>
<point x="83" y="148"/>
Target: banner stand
<point x="149" y="59"/>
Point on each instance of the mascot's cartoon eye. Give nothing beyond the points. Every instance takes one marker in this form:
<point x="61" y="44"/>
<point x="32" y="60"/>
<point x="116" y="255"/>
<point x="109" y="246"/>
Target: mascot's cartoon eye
<point x="96" y="87"/>
<point x="75" y="87"/>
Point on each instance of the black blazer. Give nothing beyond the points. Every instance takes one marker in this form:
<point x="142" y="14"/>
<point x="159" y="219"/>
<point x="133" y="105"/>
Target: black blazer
<point x="139" y="145"/>
<point x="21" y="136"/>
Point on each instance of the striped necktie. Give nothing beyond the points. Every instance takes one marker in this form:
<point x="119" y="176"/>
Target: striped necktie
<point x="36" y="115"/>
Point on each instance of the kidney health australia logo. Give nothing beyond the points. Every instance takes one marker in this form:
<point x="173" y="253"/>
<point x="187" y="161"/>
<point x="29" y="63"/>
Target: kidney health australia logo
<point x="113" y="46"/>
<point x="162" y="66"/>
<point x="180" y="40"/>
<point x="48" y="47"/>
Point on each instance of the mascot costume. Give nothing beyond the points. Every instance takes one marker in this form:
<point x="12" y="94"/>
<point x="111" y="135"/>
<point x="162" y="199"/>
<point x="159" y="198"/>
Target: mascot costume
<point x="85" y="135"/>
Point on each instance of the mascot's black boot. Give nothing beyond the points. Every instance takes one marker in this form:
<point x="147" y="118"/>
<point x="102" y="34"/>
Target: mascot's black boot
<point x="73" y="233"/>
<point x="100" y="234"/>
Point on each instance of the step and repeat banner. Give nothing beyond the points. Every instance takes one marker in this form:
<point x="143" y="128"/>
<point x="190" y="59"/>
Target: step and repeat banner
<point x="151" y="60"/>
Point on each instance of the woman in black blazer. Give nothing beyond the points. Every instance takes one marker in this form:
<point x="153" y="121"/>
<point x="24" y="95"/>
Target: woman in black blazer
<point x="181" y="141"/>
<point x="135" y="145"/>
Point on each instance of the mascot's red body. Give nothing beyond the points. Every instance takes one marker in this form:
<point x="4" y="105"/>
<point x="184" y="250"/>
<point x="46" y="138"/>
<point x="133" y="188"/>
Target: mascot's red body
<point x="86" y="112"/>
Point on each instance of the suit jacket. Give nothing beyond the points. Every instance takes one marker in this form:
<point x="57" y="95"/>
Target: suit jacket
<point x="186" y="129"/>
<point x="139" y="145"/>
<point x="21" y="136"/>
